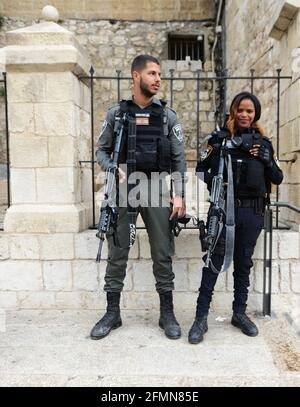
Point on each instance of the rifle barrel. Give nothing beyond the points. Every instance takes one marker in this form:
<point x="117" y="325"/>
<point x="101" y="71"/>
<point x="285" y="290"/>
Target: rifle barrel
<point x="98" y="258"/>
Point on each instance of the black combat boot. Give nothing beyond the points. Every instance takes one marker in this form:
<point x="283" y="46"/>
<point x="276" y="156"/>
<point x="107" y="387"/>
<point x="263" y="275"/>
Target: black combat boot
<point x="167" y="320"/>
<point x="111" y="319"/>
<point x="243" y="322"/>
<point x="198" y="329"/>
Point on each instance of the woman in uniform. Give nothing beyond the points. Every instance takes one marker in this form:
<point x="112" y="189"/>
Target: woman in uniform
<point x="254" y="170"/>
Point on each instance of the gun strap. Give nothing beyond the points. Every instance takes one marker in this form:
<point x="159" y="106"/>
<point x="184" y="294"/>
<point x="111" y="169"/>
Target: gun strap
<point x="131" y="168"/>
<point x="230" y="221"/>
<point x="117" y="148"/>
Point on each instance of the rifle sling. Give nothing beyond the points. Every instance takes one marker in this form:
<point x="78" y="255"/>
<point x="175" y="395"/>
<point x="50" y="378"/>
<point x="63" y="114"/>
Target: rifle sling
<point x="230" y="221"/>
<point x="131" y="168"/>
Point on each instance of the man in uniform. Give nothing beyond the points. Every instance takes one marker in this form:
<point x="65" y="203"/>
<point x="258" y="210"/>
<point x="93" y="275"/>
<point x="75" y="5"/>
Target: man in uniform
<point x="156" y="146"/>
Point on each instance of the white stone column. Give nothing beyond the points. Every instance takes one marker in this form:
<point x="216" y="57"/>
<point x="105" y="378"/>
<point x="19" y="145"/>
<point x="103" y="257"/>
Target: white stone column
<point x="49" y="117"/>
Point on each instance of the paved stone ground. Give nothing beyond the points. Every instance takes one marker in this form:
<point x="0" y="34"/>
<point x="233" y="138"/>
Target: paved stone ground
<point x="52" y="348"/>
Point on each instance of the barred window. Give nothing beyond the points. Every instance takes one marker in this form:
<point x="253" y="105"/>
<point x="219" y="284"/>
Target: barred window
<point x="182" y="46"/>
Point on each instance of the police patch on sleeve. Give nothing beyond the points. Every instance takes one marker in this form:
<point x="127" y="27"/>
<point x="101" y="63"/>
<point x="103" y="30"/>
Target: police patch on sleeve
<point x="206" y="153"/>
<point x="104" y="125"/>
<point x="276" y="160"/>
<point x="177" y="130"/>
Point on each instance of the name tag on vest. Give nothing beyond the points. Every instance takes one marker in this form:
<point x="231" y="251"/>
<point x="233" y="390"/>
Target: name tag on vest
<point x="142" y="119"/>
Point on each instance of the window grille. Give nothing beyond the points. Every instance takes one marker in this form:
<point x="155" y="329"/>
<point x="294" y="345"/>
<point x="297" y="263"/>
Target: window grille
<point x="182" y="46"/>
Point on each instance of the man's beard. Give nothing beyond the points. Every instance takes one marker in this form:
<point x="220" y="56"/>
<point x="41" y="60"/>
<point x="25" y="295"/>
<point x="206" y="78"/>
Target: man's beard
<point x="145" y="90"/>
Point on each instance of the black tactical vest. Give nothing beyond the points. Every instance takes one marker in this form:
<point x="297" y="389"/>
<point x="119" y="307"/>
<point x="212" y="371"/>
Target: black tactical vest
<point x="248" y="171"/>
<point x="153" y="148"/>
<point x="248" y="174"/>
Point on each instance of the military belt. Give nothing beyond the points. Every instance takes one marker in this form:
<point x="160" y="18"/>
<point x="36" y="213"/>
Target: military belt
<point x="249" y="202"/>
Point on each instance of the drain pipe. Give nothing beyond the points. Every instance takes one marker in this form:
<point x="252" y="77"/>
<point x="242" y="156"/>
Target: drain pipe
<point x="218" y="30"/>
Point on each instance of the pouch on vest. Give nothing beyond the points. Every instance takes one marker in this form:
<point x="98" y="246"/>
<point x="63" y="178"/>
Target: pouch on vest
<point x="147" y="154"/>
<point x="255" y="176"/>
<point x="164" y="154"/>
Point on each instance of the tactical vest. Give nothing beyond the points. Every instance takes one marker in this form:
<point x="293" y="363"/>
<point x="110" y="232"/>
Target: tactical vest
<point x="153" y="147"/>
<point x="248" y="174"/>
<point x="248" y="171"/>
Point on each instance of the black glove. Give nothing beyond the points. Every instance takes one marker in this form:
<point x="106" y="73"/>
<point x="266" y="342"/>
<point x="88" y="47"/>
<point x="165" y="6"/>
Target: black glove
<point x="265" y="155"/>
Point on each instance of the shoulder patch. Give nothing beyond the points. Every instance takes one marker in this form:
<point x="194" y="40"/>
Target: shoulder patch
<point x="104" y="125"/>
<point x="276" y="160"/>
<point x="206" y="153"/>
<point x="177" y="131"/>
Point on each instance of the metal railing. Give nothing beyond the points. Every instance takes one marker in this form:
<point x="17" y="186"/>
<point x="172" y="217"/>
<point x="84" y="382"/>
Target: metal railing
<point x="267" y="264"/>
<point x="6" y="134"/>
<point x="198" y="79"/>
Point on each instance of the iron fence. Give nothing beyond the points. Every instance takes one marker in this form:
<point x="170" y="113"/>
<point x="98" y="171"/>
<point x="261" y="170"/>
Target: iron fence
<point x="171" y="79"/>
<point x="199" y="135"/>
<point x="5" y="134"/>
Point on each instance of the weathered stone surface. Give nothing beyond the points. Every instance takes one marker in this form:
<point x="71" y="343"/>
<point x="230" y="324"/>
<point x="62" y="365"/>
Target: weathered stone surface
<point x="57" y="185"/>
<point x="259" y="248"/>
<point x="68" y="300"/>
<point x="21" y="118"/>
<point x="285" y="279"/>
<point x="143" y="279"/>
<point x="265" y="55"/>
<point x="194" y="274"/>
<point x="285" y="13"/>
<point x="188" y="239"/>
<point x="295" y="277"/>
<point x="258" y="282"/>
<point x="289" y="245"/>
<point x="27" y="87"/>
<point x="58" y="246"/>
<point x="113" y="10"/>
<point x="8" y="300"/>
<point x="144" y="245"/>
<point x="36" y="299"/>
<point x="86" y="245"/>
<point x="28" y="151"/>
<point x="85" y="275"/>
<point x="180" y="269"/>
<point x="24" y="247"/>
<point x="4" y="250"/>
<point x="20" y="275"/>
<point x="45" y="218"/>
<point x="55" y="119"/>
<point x="23" y="186"/>
<point x="57" y="275"/>
<point x="62" y="152"/>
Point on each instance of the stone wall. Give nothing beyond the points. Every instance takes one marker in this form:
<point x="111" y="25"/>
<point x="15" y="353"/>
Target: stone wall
<point x="112" y="46"/>
<point x="59" y="271"/>
<point x="252" y="23"/>
<point x="39" y="271"/>
<point x="150" y="10"/>
<point x="3" y="156"/>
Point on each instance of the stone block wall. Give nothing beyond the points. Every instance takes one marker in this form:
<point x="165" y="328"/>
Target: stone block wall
<point x="155" y="10"/>
<point x="253" y="23"/>
<point x="112" y="45"/>
<point x="59" y="271"/>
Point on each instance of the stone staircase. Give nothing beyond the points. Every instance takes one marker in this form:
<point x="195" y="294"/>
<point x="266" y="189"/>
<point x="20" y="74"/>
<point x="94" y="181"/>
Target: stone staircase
<point x="58" y="271"/>
<point x="41" y="271"/>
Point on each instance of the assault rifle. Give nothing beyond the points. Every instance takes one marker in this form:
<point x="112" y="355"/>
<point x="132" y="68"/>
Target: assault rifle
<point x="216" y="215"/>
<point x="109" y="211"/>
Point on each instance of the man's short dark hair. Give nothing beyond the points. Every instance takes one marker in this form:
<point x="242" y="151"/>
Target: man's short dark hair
<point x="140" y="62"/>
